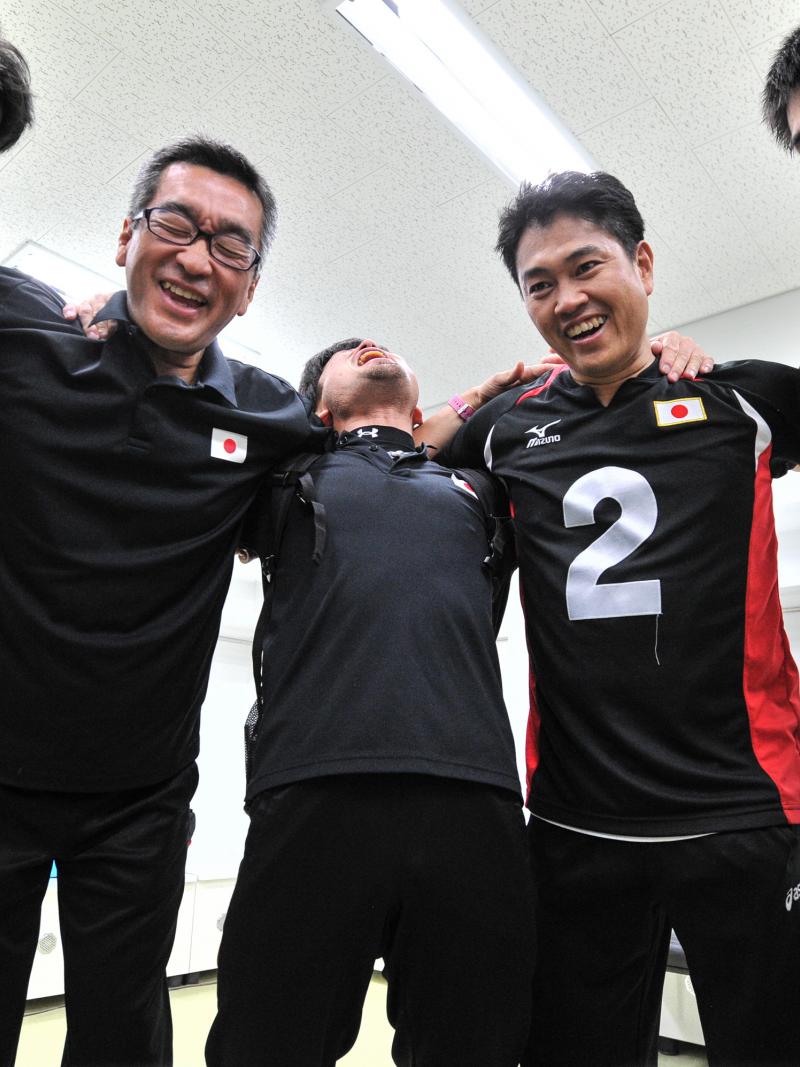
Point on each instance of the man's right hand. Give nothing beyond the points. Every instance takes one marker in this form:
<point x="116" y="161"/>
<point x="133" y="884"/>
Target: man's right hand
<point x="86" y="311"/>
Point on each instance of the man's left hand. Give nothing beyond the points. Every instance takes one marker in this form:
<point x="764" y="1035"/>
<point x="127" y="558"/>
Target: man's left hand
<point x="508" y="379"/>
<point x="679" y="356"/>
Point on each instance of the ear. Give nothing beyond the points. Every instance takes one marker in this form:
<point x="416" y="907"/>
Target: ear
<point x="416" y="417"/>
<point x="248" y="296"/>
<point x="325" y="415"/>
<point x="644" y="264"/>
<point x="125" y="238"/>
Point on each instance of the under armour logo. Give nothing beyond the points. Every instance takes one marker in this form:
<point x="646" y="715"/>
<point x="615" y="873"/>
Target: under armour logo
<point x="540" y="431"/>
<point x="368" y="433"/>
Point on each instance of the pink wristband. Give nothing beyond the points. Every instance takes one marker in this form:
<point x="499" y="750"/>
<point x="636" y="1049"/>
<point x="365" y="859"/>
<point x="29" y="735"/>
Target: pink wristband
<point x="461" y="407"/>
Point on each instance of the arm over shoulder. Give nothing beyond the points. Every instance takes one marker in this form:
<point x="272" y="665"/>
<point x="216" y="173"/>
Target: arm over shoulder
<point x="27" y="301"/>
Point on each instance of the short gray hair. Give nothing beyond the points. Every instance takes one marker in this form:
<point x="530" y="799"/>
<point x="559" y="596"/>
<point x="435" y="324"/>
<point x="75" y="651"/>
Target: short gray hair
<point x="218" y="156"/>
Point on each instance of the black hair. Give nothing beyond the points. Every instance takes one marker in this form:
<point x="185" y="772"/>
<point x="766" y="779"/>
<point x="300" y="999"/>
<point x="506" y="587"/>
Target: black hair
<point x="16" y="98"/>
<point x="783" y="78"/>
<point x="309" y="379"/>
<point x="205" y="152"/>
<point x="599" y="198"/>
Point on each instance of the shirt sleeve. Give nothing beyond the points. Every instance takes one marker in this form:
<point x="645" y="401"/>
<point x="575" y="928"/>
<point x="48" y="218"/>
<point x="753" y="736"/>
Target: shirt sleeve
<point x="773" y="389"/>
<point x="25" y="301"/>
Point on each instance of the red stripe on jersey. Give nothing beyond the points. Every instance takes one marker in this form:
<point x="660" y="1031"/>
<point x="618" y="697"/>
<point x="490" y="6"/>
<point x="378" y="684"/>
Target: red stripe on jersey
<point x="770" y="675"/>
<point x="534" y="721"/>
<point x="531" y="735"/>
<point x="541" y="388"/>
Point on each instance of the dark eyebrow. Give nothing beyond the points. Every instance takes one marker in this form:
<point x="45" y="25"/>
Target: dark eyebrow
<point x="579" y="253"/>
<point x="227" y="226"/>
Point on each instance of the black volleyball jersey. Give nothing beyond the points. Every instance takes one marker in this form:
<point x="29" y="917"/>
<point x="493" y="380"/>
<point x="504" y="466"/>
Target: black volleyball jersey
<point x="664" y="698"/>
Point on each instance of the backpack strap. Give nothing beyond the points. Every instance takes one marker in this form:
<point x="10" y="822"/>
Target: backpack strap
<point x="502" y="557"/>
<point x="272" y="513"/>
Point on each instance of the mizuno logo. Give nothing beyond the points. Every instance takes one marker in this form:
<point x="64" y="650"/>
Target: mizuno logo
<point x="792" y="895"/>
<point x="540" y="431"/>
<point x="368" y="433"/>
<point x="541" y="436"/>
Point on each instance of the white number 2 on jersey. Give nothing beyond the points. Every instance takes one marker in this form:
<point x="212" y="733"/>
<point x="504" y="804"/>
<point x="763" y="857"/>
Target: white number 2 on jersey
<point x="639" y="512"/>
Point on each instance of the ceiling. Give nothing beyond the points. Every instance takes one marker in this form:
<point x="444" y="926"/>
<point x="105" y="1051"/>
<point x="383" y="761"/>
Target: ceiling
<point x="386" y="215"/>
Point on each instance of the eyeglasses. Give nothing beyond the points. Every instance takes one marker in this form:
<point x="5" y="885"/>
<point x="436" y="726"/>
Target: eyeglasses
<point x="178" y="229"/>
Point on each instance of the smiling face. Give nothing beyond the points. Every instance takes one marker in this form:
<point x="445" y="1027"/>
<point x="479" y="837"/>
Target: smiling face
<point x="178" y="295"/>
<point x="368" y="382"/>
<point x="587" y="297"/>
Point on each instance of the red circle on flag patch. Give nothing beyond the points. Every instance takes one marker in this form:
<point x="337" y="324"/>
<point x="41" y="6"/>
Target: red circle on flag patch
<point x="229" y="444"/>
<point x="680" y="411"/>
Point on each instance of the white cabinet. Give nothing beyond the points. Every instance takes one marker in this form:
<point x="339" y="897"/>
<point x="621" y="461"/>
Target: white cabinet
<point x="679" y="1017"/>
<point x="211" y="906"/>
<point x="47" y="974"/>
<point x="182" y="948"/>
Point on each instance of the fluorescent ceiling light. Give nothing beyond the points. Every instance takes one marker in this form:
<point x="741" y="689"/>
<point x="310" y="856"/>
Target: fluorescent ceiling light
<point x="437" y="48"/>
<point x="75" y="282"/>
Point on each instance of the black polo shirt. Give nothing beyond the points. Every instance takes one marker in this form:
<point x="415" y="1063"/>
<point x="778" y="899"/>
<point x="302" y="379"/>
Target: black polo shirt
<point x="381" y="658"/>
<point x="123" y="494"/>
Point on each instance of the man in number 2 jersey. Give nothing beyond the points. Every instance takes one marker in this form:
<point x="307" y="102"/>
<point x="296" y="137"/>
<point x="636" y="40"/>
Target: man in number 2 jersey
<point x="664" y="731"/>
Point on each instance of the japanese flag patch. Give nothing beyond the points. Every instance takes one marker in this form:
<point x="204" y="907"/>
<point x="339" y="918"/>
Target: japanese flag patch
<point x="677" y="412"/>
<point x="225" y="444"/>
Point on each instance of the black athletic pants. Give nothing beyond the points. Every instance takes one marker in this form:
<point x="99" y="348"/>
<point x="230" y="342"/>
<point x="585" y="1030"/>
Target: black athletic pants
<point x="604" y="915"/>
<point x="432" y="874"/>
<point x="121" y="859"/>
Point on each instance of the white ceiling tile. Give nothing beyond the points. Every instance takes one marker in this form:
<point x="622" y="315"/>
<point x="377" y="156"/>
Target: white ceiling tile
<point x="763" y="55"/>
<point x="267" y="122"/>
<point x="678" y="295"/>
<point x="90" y="229"/>
<point x="35" y="194"/>
<point x="705" y="81"/>
<point x="614" y="14"/>
<point x="154" y="105"/>
<point x="45" y="107"/>
<point x="63" y="55"/>
<point x="475" y="7"/>
<point x="645" y="151"/>
<point x="401" y="129"/>
<point x="123" y="180"/>
<point x="322" y="162"/>
<point x="538" y="24"/>
<point x="261" y="116"/>
<point x="755" y="20"/>
<point x="174" y="36"/>
<point x="762" y="182"/>
<point x="549" y="45"/>
<point x="298" y="44"/>
<point x="104" y="149"/>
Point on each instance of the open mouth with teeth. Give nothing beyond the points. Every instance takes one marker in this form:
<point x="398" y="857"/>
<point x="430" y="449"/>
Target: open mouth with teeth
<point x="582" y="331"/>
<point x="370" y="354"/>
<point x="182" y="297"/>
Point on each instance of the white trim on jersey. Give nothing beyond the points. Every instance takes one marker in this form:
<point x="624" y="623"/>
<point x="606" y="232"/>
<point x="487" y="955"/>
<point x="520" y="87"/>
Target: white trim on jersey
<point x="620" y="837"/>
<point x="487" y="450"/>
<point x="763" y="432"/>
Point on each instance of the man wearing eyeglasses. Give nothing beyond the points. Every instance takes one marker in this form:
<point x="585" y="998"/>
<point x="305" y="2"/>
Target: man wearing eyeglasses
<point x="127" y="467"/>
<point x="129" y="460"/>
